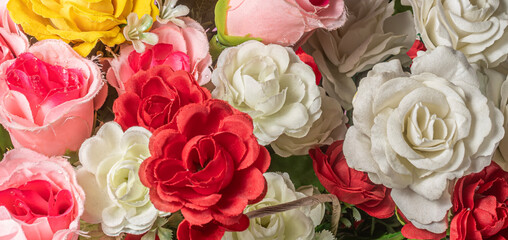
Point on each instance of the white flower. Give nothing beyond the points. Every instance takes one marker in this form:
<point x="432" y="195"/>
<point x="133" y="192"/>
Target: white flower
<point x="479" y="29"/>
<point x="371" y="34"/>
<point x="170" y="12"/>
<point x="272" y="85"/>
<point x="135" y="31"/>
<point x="324" y="235"/>
<point x="296" y="224"/>
<point x="414" y="132"/>
<point x="114" y="194"/>
<point x="330" y="127"/>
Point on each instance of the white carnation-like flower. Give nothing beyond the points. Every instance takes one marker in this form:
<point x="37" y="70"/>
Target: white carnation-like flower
<point x="296" y="224"/>
<point x="324" y="235"/>
<point x="330" y="127"/>
<point x="272" y="85"/>
<point x="370" y="35"/>
<point x="415" y="132"/>
<point x="115" y="196"/>
<point x="479" y="29"/>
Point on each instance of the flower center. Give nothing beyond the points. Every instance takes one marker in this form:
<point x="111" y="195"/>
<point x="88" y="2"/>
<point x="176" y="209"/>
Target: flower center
<point x="124" y="184"/>
<point x="319" y="3"/>
<point x="37" y="199"/>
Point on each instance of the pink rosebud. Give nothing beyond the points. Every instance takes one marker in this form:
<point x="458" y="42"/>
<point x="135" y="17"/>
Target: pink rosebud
<point x="282" y="22"/>
<point x="48" y="96"/>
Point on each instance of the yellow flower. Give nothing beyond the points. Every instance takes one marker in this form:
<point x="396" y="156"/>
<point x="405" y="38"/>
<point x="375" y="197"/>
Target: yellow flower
<point x="79" y="22"/>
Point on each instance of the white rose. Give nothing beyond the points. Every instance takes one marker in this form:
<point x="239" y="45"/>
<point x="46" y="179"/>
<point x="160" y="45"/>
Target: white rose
<point x="296" y="224"/>
<point x="476" y="28"/>
<point x="272" y="85"/>
<point x="414" y="132"/>
<point x="115" y="196"/>
<point x="370" y="35"/>
<point x="330" y="127"/>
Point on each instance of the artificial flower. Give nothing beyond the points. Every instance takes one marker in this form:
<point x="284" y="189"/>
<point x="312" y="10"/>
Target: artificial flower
<point x="47" y="93"/>
<point x="330" y="127"/>
<point x="297" y="224"/>
<point x="415" y="132"/>
<point x="417" y="46"/>
<point x="370" y="35"/>
<point x="282" y="22"/>
<point x="12" y="41"/>
<point x="135" y="31"/>
<point x="182" y="48"/>
<point x="479" y="29"/>
<point x="324" y="235"/>
<point x="170" y="12"/>
<point x="309" y="60"/>
<point x="208" y="164"/>
<point x="39" y="197"/>
<point x="109" y="175"/>
<point x="272" y="85"/>
<point x="349" y="185"/>
<point x="153" y="97"/>
<point x="480" y="205"/>
<point x="82" y="24"/>
<point x="409" y="230"/>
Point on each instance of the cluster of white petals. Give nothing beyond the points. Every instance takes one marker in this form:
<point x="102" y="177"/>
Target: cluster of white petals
<point x="272" y="85"/>
<point x="479" y="29"/>
<point x="115" y="196"/>
<point x="330" y="127"/>
<point x="415" y="132"/>
<point x="296" y="224"/>
<point x="370" y="35"/>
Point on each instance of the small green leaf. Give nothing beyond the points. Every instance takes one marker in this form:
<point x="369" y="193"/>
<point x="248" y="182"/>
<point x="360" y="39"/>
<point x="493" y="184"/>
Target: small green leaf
<point x="150" y="235"/>
<point x="346" y="222"/>
<point x="398" y="8"/>
<point x="5" y="141"/>
<point x="165" y="234"/>
<point x="356" y="214"/>
<point x="392" y="236"/>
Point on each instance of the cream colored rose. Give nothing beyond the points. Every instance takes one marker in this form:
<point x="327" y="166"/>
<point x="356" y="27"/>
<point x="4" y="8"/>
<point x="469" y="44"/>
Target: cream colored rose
<point x="296" y="224"/>
<point x="415" y="132"/>
<point x="115" y="196"/>
<point x="479" y="29"/>
<point x="330" y="127"/>
<point x="371" y="34"/>
<point x="272" y="85"/>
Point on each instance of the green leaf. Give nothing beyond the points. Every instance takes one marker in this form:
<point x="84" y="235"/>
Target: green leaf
<point x="221" y="12"/>
<point x="392" y="236"/>
<point x="150" y="235"/>
<point x="346" y="222"/>
<point x="356" y="214"/>
<point x="299" y="168"/>
<point x="5" y="141"/>
<point x="164" y="233"/>
<point x="398" y="8"/>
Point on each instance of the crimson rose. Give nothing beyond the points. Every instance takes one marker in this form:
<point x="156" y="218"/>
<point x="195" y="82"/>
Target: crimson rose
<point x="480" y="204"/>
<point x="153" y="97"/>
<point x="208" y="164"/>
<point x="349" y="185"/>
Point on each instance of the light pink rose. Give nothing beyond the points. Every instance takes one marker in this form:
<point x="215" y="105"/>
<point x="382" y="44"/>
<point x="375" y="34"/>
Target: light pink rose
<point x="40" y="198"/>
<point x="283" y="22"/>
<point x="12" y="40"/>
<point x="181" y="48"/>
<point x="48" y="96"/>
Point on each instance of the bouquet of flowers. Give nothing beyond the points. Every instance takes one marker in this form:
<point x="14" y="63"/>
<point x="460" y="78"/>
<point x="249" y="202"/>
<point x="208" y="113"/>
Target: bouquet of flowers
<point x="253" y="119"/>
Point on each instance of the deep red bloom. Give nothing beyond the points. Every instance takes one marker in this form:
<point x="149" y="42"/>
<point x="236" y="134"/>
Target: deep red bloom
<point x="349" y="185"/>
<point x="153" y="97"/>
<point x="309" y="60"/>
<point x="186" y="231"/>
<point x="208" y="164"/>
<point x="480" y="205"/>
<point x="417" y="46"/>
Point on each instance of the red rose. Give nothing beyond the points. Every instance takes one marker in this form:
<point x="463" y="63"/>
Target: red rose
<point x="208" y="164"/>
<point x="480" y="205"/>
<point x="153" y="97"/>
<point x="309" y="60"/>
<point x="417" y="46"/>
<point x="349" y="185"/>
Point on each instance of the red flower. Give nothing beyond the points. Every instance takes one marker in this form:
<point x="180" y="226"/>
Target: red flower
<point x="480" y="204"/>
<point x="409" y="231"/>
<point x="187" y="231"/>
<point x="208" y="164"/>
<point x="153" y="97"/>
<point x="349" y="185"/>
<point x="417" y="46"/>
<point x="309" y="60"/>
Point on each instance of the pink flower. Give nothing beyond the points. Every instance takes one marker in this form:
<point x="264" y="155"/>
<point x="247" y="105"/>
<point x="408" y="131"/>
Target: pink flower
<point x="12" y="41"/>
<point x="39" y="197"/>
<point x="48" y="96"/>
<point x="282" y="22"/>
<point x="181" y="48"/>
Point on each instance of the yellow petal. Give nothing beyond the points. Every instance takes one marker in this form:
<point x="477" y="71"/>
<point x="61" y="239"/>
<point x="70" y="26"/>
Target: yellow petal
<point x="84" y="48"/>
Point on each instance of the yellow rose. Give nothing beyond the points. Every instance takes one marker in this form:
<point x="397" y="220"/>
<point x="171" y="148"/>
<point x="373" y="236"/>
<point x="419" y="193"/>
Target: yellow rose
<point x="79" y="22"/>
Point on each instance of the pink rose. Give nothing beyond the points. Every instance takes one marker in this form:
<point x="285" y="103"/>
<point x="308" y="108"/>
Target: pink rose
<point x="40" y="198"/>
<point x="12" y="41"/>
<point x="181" y="48"/>
<point x="48" y="96"/>
<point x="282" y="22"/>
